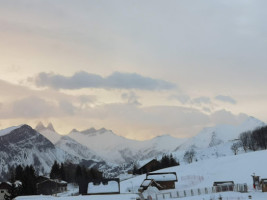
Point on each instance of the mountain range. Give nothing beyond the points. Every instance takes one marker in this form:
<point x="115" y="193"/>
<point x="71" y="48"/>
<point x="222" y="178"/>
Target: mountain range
<point x="103" y="148"/>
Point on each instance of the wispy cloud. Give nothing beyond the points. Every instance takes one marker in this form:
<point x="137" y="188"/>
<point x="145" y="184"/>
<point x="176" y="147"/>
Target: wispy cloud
<point x="180" y="97"/>
<point x="227" y="99"/>
<point x="116" y="80"/>
<point x="201" y="100"/>
<point x="131" y="98"/>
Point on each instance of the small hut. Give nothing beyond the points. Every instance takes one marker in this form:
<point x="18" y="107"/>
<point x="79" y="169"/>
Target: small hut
<point x="223" y="186"/>
<point x="51" y="186"/>
<point x="148" y="183"/>
<point x="164" y="180"/>
<point x="104" y="187"/>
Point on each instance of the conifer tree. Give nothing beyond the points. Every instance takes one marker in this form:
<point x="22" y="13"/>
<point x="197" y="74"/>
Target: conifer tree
<point x="55" y="171"/>
<point x="62" y="172"/>
<point x="18" y="173"/>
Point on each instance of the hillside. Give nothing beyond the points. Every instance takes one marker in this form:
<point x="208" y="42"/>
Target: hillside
<point x="202" y="174"/>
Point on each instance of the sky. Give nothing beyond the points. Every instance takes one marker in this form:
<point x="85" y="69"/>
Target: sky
<point x="139" y="68"/>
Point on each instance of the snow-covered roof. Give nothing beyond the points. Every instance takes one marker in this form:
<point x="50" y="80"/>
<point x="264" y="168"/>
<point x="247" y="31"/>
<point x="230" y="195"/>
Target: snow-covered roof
<point x="110" y="187"/>
<point x="142" y="163"/>
<point x="146" y="182"/>
<point x="162" y="176"/>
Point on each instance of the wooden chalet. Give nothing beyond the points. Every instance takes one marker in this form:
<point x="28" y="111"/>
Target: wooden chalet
<point x="146" y="167"/>
<point x="50" y="186"/>
<point x="104" y="187"/>
<point x="148" y="183"/>
<point x="4" y="187"/>
<point x="223" y="186"/>
<point x="164" y="180"/>
<point x="263" y="183"/>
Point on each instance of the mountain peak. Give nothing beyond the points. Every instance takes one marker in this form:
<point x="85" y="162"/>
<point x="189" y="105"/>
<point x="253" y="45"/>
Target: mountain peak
<point x="74" y="130"/>
<point x="40" y="126"/>
<point x="89" y="131"/>
<point x="50" y="127"/>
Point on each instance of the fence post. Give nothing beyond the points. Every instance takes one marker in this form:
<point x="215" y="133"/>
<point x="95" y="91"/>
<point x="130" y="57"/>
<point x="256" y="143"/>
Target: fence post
<point x="206" y="190"/>
<point x="199" y="192"/>
<point x="177" y="194"/>
<point x="192" y="192"/>
<point x="184" y="193"/>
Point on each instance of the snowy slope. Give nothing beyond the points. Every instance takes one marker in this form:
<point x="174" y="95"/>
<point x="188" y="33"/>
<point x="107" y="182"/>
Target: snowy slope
<point x="203" y="173"/>
<point x="8" y="130"/>
<point x="197" y="175"/>
<point x="213" y="136"/>
<point x="75" y="148"/>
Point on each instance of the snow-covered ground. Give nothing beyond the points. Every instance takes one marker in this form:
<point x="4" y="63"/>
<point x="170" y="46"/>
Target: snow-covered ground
<point x="199" y="174"/>
<point x="203" y="173"/>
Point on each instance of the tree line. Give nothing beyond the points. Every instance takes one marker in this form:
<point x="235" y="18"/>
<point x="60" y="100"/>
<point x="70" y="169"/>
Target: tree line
<point x="254" y="140"/>
<point x="251" y="140"/>
<point x="27" y="176"/>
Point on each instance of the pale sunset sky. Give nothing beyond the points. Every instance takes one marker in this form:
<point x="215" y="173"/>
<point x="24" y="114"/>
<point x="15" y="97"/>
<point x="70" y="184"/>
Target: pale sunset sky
<point x="139" y="68"/>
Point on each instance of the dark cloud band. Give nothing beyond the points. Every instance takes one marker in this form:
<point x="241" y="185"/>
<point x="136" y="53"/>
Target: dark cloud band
<point x="116" y="80"/>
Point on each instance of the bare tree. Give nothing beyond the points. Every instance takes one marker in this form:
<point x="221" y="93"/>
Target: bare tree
<point x="245" y="139"/>
<point x="189" y="155"/>
<point x="235" y="146"/>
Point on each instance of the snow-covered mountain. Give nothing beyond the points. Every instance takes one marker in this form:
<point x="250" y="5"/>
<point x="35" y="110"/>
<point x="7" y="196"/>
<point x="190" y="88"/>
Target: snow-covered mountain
<point x="103" y="144"/>
<point x="25" y="146"/>
<point x="105" y="149"/>
<point x="49" y="132"/>
<point x="219" y="134"/>
<point x="75" y="148"/>
<point x="117" y="149"/>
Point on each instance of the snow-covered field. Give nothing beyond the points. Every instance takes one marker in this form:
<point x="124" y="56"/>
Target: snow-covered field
<point x="200" y="174"/>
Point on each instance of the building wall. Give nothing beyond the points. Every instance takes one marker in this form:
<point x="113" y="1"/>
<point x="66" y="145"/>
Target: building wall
<point x="49" y="187"/>
<point x="264" y="187"/>
<point x="166" y="185"/>
<point x="2" y="194"/>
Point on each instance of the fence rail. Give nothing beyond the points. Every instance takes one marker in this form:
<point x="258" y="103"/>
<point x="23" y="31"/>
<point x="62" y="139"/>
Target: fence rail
<point x="200" y="191"/>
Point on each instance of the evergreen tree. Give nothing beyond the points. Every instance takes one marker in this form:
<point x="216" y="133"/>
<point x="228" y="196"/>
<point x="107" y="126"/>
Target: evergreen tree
<point x="29" y="181"/>
<point x="135" y="170"/>
<point x="173" y="162"/>
<point x="18" y="172"/>
<point x="78" y="174"/>
<point x="62" y="172"/>
<point x="55" y="172"/>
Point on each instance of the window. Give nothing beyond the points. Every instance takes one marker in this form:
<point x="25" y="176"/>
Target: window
<point x="2" y="191"/>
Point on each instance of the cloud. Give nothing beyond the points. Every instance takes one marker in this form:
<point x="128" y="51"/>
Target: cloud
<point x="32" y="107"/>
<point x="226" y="117"/>
<point x="181" y="98"/>
<point x="131" y="98"/>
<point x="67" y="107"/>
<point x="226" y="99"/>
<point x="201" y="100"/>
<point x="116" y="80"/>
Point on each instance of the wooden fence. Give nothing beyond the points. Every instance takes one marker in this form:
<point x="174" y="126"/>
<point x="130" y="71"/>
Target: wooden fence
<point x="200" y="191"/>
